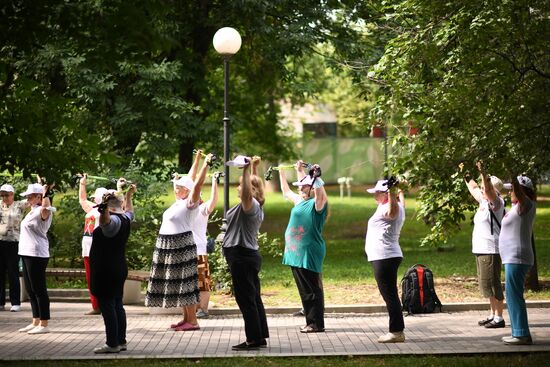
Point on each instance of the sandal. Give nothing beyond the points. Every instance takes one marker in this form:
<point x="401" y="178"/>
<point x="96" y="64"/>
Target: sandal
<point x="311" y="329"/>
<point x="173" y="326"/>
<point x="187" y="327"/>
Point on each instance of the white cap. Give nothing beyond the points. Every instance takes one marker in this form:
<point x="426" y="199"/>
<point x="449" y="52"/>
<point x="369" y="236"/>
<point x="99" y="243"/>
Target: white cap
<point x="7" y="188"/>
<point x="238" y="161"/>
<point x="381" y="186"/>
<point x="98" y="194"/>
<point x="307" y="180"/>
<point x="523" y="181"/>
<point x="34" y="188"/>
<point x="497" y="183"/>
<point x="184" y="181"/>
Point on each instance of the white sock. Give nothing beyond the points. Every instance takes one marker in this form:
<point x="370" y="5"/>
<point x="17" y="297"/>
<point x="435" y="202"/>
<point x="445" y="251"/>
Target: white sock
<point x="498" y="318"/>
<point x="490" y="317"/>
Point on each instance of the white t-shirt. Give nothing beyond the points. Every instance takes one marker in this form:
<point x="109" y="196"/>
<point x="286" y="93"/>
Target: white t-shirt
<point x="483" y="242"/>
<point x="33" y="240"/>
<point x="382" y="240"/>
<point x="199" y="229"/>
<point x="515" y="235"/>
<point x="91" y="222"/>
<point x="178" y="218"/>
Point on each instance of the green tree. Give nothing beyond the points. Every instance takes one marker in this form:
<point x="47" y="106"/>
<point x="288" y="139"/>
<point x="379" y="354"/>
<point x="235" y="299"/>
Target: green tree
<point x="475" y="78"/>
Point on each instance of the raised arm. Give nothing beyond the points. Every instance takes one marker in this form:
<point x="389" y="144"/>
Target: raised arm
<point x="86" y="205"/>
<point x="490" y="192"/>
<point x="195" y="166"/>
<point x="394" y="206"/>
<point x="523" y="200"/>
<point x="211" y="204"/>
<point x="472" y="186"/>
<point x="199" y="181"/>
<point x="246" y="189"/>
<point x="255" y="163"/>
<point x="299" y="167"/>
<point x="45" y="212"/>
<point x="128" y="204"/>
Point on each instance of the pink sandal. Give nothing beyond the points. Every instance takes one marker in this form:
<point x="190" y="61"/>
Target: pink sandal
<point x="187" y="327"/>
<point x="173" y="326"/>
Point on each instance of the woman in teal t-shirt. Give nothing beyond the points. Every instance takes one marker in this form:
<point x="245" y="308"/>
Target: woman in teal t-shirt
<point x="304" y="244"/>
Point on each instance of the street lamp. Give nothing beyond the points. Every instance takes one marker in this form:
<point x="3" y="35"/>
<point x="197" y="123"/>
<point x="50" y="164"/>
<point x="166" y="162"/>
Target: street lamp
<point x="227" y="42"/>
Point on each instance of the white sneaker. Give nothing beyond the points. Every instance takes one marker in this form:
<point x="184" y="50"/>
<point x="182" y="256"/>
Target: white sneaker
<point x="39" y="330"/>
<point x="397" y="337"/>
<point x="107" y="349"/>
<point x="15" y="308"/>
<point x="27" y="328"/>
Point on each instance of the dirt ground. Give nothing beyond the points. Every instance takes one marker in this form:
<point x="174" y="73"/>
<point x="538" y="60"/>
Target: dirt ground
<point x="449" y="290"/>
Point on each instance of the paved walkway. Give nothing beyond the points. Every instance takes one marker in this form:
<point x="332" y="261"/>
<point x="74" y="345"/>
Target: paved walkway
<point x="74" y="336"/>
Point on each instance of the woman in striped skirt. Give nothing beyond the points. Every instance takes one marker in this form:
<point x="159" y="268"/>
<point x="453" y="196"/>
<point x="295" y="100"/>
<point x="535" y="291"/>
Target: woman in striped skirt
<point x="174" y="278"/>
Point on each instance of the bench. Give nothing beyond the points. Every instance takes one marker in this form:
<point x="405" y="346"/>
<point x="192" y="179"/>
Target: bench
<point x="132" y="286"/>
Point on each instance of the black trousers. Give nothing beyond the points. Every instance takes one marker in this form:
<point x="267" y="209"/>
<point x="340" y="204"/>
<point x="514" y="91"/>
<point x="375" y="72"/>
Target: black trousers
<point x="9" y="262"/>
<point x="34" y="273"/>
<point x="244" y="265"/>
<point x="311" y="292"/>
<point x="385" y="273"/>
<point x="114" y="318"/>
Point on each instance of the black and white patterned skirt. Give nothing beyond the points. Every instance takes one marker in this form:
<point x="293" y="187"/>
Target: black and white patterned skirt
<point x="174" y="280"/>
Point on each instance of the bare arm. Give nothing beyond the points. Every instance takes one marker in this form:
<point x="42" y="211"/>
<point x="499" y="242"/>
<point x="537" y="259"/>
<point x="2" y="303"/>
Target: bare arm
<point x="490" y="192"/>
<point x="299" y="167"/>
<point x="255" y="163"/>
<point x="199" y="181"/>
<point x="211" y="204"/>
<point x="520" y="195"/>
<point x="86" y="205"/>
<point x="394" y="206"/>
<point x="320" y="197"/>
<point x="246" y="189"/>
<point x="401" y="196"/>
<point x="195" y="166"/>
<point x="129" y="205"/>
<point x="45" y="211"/>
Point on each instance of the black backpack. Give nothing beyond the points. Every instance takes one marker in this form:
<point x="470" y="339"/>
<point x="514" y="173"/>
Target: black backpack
<point x="418" y="292"/>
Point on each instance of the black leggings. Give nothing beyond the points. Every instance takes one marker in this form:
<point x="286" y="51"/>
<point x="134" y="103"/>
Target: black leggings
<point x="385" y="273"/>
<point x="34" y="272"/>
<point x="310" y="288"/>
<point x="9" y="261"/>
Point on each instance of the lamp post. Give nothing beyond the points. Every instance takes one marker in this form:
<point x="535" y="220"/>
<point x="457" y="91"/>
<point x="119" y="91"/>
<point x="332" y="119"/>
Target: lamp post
<point x="227" y="42"/>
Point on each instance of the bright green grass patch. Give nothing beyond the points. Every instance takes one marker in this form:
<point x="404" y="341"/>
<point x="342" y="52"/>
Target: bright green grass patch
<point x="509" y="359"/>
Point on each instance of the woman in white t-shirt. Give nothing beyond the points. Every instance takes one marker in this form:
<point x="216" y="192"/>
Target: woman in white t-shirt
<point x="91" y="222"/>
<point x="485" y="243"/>
<point x="200" y="234"/>
<point x="35" y="252"/>
<point x="516" y="251"/>
<point x="174" y="278"/>
<point x="385" y="255"/>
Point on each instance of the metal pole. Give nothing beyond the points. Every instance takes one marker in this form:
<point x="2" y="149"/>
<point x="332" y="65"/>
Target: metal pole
<point x="226" y="131"/>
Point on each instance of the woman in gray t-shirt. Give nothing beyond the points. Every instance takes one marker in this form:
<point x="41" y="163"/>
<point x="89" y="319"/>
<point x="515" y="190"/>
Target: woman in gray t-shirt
<point x="240" y="248"/>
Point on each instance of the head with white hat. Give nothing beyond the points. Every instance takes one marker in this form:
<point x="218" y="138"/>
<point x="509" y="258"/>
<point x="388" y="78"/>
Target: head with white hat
<point x="183" y="186"/>
<point x="98" y="194"/>
<point x="7" y="192"/>
<point x="305" y="186"/>
<point x="380" y="191"/>
<point x="34" y="193"/>
<point x="525" y="184"/>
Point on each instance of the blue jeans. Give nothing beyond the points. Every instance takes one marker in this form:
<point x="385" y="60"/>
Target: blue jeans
<point x="114" y="318"/>
<point x="517" y="311"/>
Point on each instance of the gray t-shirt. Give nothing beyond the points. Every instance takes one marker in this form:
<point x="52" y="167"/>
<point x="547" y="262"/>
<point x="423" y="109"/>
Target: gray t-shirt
<point x="243" y="227"/>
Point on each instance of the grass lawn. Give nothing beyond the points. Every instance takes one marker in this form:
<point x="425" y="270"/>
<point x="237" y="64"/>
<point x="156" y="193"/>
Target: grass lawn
<point x="348" y="277"/>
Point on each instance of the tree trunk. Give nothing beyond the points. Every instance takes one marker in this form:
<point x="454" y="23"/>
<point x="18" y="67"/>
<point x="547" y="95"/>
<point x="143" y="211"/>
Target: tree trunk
<point x="185" y="155"/>
<point x="532" y="279"/>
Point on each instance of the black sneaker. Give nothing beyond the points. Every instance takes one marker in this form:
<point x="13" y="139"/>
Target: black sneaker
<point x="484" y="321"/>
<point x="246" y="346"/>
<point x="263" y="343"/>
<point x="495" y="325"/>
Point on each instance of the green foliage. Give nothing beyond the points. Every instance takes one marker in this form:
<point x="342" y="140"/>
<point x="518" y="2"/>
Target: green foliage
<point x="474" y="78"/>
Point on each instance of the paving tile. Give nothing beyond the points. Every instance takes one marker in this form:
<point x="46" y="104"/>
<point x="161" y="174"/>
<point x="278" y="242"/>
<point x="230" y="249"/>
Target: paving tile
<point x="74" y="336"/>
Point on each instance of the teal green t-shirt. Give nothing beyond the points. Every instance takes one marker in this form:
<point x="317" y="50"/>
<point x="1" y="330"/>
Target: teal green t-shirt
<point x="304" y="243"/>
